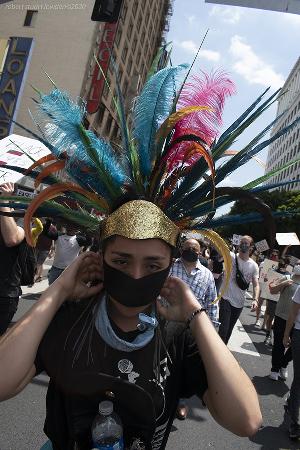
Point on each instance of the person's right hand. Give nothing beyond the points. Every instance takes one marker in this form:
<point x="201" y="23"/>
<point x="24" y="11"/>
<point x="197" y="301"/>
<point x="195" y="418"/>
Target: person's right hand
<point x="82" y="279"/>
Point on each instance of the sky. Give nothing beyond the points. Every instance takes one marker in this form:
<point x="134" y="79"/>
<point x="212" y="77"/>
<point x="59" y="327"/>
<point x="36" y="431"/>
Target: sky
<point x="257" y="48"/>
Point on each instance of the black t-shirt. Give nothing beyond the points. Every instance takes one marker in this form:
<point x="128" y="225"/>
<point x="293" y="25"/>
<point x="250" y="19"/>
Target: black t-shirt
<point x="144" y="385"/>
<point x="9" y="271"/>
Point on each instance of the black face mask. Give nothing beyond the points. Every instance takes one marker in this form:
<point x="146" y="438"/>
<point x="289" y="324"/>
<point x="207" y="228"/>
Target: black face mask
<point x="189" y="255"/>
<point x="130" y="291"/>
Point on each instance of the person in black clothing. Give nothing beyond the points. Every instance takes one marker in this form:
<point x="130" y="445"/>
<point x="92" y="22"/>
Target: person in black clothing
<point x="117" y="341"/>
<point x="217" y="268"/>
<point x="11" y="235"/>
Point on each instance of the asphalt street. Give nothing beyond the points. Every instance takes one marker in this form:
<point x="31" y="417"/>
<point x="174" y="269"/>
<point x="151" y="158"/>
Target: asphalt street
<point x="21" y="418"/>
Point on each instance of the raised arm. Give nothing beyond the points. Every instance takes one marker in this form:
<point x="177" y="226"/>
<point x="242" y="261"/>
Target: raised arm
<point x="18" y="347"/>
<point x="12" y="234"/>
<point x="231" y="397"/>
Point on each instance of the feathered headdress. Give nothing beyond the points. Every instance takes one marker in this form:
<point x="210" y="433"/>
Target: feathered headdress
<point x="168" y="158"/>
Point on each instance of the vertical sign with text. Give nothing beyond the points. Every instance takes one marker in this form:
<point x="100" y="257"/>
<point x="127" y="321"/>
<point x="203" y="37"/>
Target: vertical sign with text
<point x="12" y="81"/>
<point x="103" y="57"/>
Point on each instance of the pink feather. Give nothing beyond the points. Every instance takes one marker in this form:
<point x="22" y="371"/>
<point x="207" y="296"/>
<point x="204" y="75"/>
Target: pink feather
<point x="203" y="90"/>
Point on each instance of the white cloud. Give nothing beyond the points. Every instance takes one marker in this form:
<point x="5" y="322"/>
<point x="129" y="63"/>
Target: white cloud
<point x="192" y="47"/>
<point x="251" y="66"/>
<point x="227" y="14"/>
<point x="292" y="19"/>
<point x="191" y="19"/>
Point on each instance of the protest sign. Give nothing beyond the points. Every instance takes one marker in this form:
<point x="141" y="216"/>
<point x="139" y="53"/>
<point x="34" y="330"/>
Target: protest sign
<point x="262" y="246"/>
<point x="271" y="276"/>
<point x="287" y="239"/>
<point x="236" y="239"/>
<point x="17" y="151"/>
<point x="267" y="269"/>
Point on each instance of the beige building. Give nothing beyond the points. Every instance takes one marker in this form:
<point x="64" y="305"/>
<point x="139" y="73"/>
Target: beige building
<point x="65" y="40"/>
<point x="287" y="147"/>
<point x="61" y="47"/>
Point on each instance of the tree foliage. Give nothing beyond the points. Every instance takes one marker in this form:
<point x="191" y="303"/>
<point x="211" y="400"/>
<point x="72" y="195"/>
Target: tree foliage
<point x="277" y="201"/>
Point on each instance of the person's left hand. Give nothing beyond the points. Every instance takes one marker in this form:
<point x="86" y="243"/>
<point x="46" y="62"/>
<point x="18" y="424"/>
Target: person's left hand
<point x="180" y="298"/>
<point x="286" y="341"/>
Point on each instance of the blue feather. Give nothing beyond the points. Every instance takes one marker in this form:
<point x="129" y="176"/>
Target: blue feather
<point x="152" y="107"/>
<point x="65" y="134"/>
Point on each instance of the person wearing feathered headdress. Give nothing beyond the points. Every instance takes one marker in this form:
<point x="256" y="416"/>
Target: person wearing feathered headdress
<point x="124" y="344"/>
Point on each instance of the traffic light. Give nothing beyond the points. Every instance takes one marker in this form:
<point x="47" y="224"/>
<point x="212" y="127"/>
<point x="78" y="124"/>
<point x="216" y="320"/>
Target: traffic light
<point x="106" y="10"/>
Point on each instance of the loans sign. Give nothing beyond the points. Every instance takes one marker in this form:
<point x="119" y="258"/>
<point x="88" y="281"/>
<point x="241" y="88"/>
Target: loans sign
<point x="12" y="80"/>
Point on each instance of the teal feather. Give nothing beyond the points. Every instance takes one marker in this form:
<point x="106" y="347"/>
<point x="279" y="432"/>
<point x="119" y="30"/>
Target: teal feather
<point x="91" y="161"/>
<point x="152" y="107"/>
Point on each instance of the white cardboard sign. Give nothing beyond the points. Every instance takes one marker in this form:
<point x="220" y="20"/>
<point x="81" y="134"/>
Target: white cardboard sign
<point x="262" y="246"/>
<point x="11" y="153"/>
<point x="236" y="239"/>
<point x="287" y="239"/>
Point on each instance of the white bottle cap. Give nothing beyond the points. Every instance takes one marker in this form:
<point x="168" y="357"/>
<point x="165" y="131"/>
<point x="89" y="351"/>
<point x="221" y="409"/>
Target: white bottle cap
<point x="106" y="408"/>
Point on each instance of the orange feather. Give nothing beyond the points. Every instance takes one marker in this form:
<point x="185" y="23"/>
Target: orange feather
<point x="52" y="192"/>
<point x="41" y="161"/>
<point x="52" y="168"/>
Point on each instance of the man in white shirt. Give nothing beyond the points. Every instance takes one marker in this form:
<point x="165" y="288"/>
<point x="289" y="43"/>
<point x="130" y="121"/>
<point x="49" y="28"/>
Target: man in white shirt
<point x="232" y="302"/>
<point x="67" y="248"/>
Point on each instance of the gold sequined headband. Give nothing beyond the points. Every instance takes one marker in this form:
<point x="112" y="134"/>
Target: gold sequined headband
<point x="140" y="219"/>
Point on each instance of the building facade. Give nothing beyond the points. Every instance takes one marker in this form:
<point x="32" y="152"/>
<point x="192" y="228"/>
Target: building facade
<point x="289" y="6"/>
<point x="65" y="43"/>
<point x="287" y="147"/>
<point x="139" y="33"/>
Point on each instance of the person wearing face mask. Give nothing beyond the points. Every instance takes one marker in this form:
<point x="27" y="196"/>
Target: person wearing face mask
<point x="199" y="278"/>
<point x="123" y="344"/>
<point x="115" y="325"/>
<point x="232" y="302"/>
<point x="287" y="287"/>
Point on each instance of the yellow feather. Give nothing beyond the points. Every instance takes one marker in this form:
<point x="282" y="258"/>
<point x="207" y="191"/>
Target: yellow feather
<point x="223" y="249"/>
<point x="171" y="121"/>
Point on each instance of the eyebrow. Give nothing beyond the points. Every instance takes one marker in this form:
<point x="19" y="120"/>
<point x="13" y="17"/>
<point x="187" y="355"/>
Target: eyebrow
<point x="148" y="258"/>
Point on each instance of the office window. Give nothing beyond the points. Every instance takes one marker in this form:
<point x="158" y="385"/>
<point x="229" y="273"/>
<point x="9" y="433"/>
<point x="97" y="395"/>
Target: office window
<point x="125" y="87"/>
<point x="129" y="31"/>
<point x="100" y="115"/>
<point x="135" y="7"/>
<point x="124" y="12"/>
<point x="134" y="44"/>
<point x="108" y="124"/>
<point x="129" y="66"/>
<point x="124" y="54"/>
<point x="30" y="18"/>
<point x="118" y="36"/>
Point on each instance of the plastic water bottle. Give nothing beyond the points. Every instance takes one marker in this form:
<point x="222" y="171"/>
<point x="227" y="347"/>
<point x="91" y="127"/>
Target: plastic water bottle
<point x="107" y="430"/>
